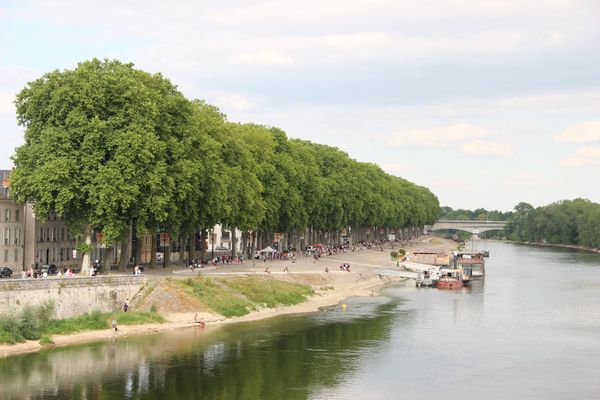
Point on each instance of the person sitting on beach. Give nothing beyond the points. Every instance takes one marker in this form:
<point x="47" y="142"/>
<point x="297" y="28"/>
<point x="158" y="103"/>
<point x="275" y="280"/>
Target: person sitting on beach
<point x="286" y="269"/>
<point x="200" y="322"/>
<point x="327" y="269"/>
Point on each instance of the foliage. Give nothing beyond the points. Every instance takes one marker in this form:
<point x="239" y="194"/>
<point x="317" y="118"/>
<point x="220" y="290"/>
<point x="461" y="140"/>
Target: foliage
<point x="34" y="323"/>
<point x="46" y="340"/>
<point x="108" y="146"/>
<point x="394" y="254"/>
<point x="237" y="297"/>
<point x="270" y="292"/>
<point x="573" y="222"/>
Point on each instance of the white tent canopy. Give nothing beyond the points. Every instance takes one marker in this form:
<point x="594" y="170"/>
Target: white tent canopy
<point x="267" y="249"/>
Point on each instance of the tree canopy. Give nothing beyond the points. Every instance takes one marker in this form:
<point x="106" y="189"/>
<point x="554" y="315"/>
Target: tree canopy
<point x="109" y="146"/>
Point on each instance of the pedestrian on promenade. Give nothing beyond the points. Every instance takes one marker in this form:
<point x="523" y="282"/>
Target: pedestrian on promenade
<point x="126" y="305"/>
<point x="114" y="325"/>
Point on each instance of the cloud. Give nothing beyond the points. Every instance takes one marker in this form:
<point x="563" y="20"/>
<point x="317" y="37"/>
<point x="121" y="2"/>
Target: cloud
<point x="396" y="168"/>
<point x="437" y="137"/>
<point x="586" y="132"/>
<point x="585" y="156"/>
<point x="232" y="102"/>
<point x="265" y="58"/>
<point x="525" y="180"/>
<point x="487" y="148"/>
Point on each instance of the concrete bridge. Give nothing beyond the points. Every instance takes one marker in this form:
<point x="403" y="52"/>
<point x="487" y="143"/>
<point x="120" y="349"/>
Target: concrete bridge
<point x="474" y="227"/>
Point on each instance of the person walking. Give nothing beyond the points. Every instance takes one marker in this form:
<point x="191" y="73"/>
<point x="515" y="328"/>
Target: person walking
<point x="126" y="305"/>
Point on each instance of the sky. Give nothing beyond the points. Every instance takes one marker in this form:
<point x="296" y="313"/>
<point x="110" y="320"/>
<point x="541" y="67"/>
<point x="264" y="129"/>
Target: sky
<point x="486" y="103"/>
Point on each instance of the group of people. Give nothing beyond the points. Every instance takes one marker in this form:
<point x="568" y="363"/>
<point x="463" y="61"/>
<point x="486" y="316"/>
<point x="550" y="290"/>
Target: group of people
<point x="345" y="267"/>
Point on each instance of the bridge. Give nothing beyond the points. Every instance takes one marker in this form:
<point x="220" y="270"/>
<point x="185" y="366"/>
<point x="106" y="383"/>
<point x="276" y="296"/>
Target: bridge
<point x="474" y="227"/>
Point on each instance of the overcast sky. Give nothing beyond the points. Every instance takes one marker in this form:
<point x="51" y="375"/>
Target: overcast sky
<point x="487" y="103"/>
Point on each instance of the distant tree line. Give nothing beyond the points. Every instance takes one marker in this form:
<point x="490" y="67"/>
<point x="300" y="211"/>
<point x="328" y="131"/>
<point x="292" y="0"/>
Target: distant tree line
<point x="108" y="147"/>
<point x="573" y="222"/>
<point x="480" y="214"/>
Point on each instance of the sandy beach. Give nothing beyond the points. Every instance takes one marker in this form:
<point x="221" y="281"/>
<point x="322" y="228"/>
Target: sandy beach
<point x="330" y="287"/>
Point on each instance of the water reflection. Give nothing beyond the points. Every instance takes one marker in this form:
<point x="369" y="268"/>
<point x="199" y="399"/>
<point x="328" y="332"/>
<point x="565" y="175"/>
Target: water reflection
<point x="271" y="359"/>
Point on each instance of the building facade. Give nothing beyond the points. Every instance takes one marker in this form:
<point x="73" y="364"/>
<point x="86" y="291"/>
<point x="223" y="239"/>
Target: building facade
<point x="12" y="228"/>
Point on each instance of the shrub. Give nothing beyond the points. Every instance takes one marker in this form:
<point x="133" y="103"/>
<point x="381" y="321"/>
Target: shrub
<point x="10" y="329"/>
<point x="394" y="254"/>
<point x="29" y="324"/>
<point x="45" y="340"/>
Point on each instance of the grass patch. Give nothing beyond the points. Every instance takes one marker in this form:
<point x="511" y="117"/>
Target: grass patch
<point x="237" y="297"/>
<point x="219" y="298"/>
<point x="46" y="340"/>
<point x="35" y="323"/>
<point x="270" y="292"/>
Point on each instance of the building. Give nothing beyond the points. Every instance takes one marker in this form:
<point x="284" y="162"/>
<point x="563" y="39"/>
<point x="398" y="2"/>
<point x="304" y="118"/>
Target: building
<point x="26" y="241"/>
<point x="12" y="228"/>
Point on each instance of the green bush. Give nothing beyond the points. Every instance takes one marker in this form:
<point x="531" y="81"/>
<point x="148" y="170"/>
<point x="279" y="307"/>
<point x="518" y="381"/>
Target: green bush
<point x="35" y="323"/>
<point x="28" y="324"/>
<point x="394" y="254"/>
<point x="10" y="329"/>
<point x="45" y="340"/>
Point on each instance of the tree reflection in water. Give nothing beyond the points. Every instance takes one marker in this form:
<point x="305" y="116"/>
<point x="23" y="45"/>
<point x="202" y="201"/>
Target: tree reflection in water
<point x="285" y="357"/>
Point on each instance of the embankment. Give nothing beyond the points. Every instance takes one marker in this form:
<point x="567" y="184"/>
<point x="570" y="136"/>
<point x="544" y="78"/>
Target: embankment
<point x="71" y="296"/>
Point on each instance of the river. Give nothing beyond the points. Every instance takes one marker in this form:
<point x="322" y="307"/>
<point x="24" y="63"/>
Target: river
<point x="530" y="331"/>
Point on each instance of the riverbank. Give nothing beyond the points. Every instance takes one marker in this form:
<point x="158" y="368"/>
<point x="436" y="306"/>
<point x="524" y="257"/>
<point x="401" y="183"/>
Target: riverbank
<point x="564" y="246"/>
<point x="331" y="288"/>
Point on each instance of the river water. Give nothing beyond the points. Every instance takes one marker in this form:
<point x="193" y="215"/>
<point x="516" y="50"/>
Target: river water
<point x="530" y="331"/>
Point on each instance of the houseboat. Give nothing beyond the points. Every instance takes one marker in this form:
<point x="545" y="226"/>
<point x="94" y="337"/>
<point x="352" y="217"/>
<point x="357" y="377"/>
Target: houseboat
<point x="471" y="263"/>
<point x="450" y="279"/>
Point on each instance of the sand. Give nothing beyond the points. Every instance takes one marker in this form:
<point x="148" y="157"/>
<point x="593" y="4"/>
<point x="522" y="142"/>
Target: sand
<point x="331" y="288"/>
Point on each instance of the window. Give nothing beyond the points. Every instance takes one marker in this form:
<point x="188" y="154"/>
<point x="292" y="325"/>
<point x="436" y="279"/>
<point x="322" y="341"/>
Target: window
<point x="41" y="238"/>
<point x="5" y="255"/>
<point x="62" y="252"/>
<point x="7" y="236"/>
<point x="17" y="235"/>
<point x="68" y="254"/>
<point x="16" y="255"/>
<point x="54" y="235"/>
<point x="7" y="214"/>
<point x="54" y="255"/>
<point x="62" y="234"/>
<point x="17" y="216"/>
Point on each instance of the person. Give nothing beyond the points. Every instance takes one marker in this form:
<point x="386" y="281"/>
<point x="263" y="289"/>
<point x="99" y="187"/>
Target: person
<point x="327" y="269"/>
<point x="267" y="270"/>
<point x="286" y="269"/>
<point x="126" y="305"/>
<point x="200" y="322"/>
<point x="114" y="325"/>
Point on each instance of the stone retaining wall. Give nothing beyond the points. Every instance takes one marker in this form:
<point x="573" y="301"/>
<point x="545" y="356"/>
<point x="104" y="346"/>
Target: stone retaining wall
<point x="72" y="296"/>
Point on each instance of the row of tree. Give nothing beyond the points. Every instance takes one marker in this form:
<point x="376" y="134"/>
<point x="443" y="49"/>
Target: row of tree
<point x="573" y="222"/>
<point x="108" y="146"/>
<point x="480" y="214"/>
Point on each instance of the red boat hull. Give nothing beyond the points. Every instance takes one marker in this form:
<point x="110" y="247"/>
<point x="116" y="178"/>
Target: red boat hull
<point x="449" y="284"/>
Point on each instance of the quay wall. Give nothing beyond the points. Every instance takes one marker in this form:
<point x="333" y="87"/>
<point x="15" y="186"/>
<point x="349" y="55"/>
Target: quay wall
<point x="71" y="296"/>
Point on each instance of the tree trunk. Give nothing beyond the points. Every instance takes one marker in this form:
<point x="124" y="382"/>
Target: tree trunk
<point x="138" y="250"/>
<point x="182" y="246"/>
<point x="203" y="244"/>
<point x="167" y="254"/>
<point x="125" y="246"/>
<point x="87" y="257"/>
<point x="244" y="243"/>
<point x="233" y="243"/>
<point x="153" y="249"/>
<point x="192" y="239"/>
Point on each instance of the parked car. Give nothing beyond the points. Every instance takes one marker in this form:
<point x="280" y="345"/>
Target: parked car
<point x="49" y="269"/>
<point x="5" y="272"/>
